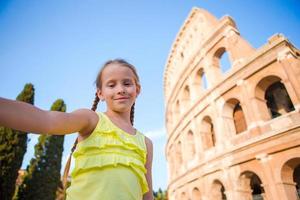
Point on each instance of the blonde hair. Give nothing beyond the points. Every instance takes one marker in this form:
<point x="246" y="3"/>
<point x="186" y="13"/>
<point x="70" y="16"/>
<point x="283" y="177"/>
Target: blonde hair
<point x="98" y="83"/>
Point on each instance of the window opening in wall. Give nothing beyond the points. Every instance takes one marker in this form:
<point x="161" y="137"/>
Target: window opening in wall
<point x="224" y="62"/>
<point x="196" y="194"/>
<point x="296" y="179"/>
<point x="239" y="119"/>
<point x="191" y="145"/>
<point x="218" y="191"/>
<point x="223" y="193"/>
<point x="213" y="136"/>
<point x="278" y="100"/>
<point x="204" y="81"/>
<point x="208" y="134"/>
<point x="257" y="190"/>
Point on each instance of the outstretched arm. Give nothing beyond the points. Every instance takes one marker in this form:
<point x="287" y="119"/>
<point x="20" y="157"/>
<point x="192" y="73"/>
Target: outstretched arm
<point x="148" y="165"/>
<point x="26" y="117"/>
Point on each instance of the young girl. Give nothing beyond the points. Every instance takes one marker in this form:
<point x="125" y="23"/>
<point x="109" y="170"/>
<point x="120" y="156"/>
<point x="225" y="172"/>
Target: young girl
<point x="113" y="160"/>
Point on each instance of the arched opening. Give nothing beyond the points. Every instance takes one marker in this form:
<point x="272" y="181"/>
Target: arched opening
<point x="204" y="81"/>
<point x="169" y="120"/>
<point x="201" y="80"/>
<point x="191" y="145"/>
<point x="278" y="100"/>
<point x="183" y="196"/>
<point x="239" y="119"/>
<point x="196" y="195"/>
<point x="296" y="179"/>
<point x="290" y="175"/>
<point x="221" y="59"/>
<point x="218" y="191"/>
<point x="208" y="133"/>
<point x="233" y="116"/>
<point x="186" y="97"/>
<point x="177" y="109"/>
<point x="272" y="98"/>
<point x="178" y="156"/>
<point x="251" y="185"/>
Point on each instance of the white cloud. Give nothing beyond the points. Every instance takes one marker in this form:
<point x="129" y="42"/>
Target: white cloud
<point x="156" y="134"/>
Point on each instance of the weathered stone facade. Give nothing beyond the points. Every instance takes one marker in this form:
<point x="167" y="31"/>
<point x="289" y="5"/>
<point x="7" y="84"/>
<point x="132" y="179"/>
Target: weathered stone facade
<point x="233" y="135"/>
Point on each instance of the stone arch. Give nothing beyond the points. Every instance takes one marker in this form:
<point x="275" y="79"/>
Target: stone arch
<point x="234" y="117"/>
<point x="196" y="194"/>
<point x="191" y="148"/>
<point x="169" y="118"/>
<point x="199" y="81"/>
<point x="178" y="156"/>
<point x="278" y="100"/>
<point x="221" y="59"/>
<point x="251" y="186"/>
<point x="177" y="109"/>
<point x="290" y="175"/>
<point x="272" y="97"/>
<point x="218" y="190"/>
<point x="186" y="96"/>
<point x="207" y="132"/>
<point x="183" y="196"/>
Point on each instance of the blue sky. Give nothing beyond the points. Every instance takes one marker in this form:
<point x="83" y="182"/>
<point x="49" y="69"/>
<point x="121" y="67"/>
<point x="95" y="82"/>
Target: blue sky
<point x="59" y="46"/>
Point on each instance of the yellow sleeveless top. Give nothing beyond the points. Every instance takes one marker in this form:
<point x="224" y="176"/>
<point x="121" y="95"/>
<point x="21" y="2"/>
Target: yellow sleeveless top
<point x="109" y="165"/>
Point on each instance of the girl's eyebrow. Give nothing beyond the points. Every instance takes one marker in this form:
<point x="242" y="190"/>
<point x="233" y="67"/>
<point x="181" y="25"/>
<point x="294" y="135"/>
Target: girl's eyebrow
<point x="113" y="80"/>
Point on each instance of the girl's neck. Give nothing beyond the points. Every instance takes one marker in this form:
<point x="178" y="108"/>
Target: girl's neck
<point x="123" y="117"/>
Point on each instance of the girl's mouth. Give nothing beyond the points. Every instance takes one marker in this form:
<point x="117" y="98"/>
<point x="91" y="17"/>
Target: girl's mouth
<point x="122" y="98"/>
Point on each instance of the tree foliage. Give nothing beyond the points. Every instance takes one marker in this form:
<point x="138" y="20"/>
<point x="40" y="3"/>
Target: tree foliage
<point x="13" y="145"/>
<point x="43" y="177"/>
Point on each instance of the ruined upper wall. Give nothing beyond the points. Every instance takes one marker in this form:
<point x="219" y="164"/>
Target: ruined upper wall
<point x="198" y="39"/>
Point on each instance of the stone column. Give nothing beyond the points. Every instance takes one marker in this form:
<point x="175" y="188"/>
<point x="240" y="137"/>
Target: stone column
<point x="213" y="73"/>
<point x="269" y="186"/>
<point x="287" y="191"/>
<point x="286" y="59"/>
<point x="259" y="110"/>
<point x="245" y="102"/>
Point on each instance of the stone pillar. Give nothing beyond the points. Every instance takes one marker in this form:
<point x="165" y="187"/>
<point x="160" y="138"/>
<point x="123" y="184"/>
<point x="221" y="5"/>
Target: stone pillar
<point x="240" y="194"/>
<point x="259" y="110"/>
<point x="286" y="59"/>
<point x="287" y="191"/>
<point x="213" y="72"/>
<point x="245" y="102"/>
<point x="291" y="92"/>
<point x="269" y="186"/>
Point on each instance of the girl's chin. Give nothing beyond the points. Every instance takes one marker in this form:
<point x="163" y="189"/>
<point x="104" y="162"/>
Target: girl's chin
<point x="122" y="108"/>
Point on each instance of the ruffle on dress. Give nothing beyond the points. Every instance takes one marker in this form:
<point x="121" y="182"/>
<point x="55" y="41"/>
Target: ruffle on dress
<point x="109" y="146"/>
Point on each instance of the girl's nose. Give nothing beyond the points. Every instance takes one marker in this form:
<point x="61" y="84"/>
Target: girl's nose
<point x="121" y="90"/>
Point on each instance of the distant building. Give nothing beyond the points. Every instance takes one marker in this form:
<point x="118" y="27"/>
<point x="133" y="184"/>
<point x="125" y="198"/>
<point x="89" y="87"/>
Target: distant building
<point x="231" y="135"/>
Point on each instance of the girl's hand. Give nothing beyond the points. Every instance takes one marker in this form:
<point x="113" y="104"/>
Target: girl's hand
<point x="28" y="118"/>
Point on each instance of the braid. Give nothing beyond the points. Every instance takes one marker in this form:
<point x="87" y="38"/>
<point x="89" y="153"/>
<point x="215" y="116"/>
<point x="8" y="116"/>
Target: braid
<point x="67" y="167"/>
<point x="94" y="107"/>
<point x="132" y="114"/>
<point x="68" y="164"/>
<point x="96" y="101"/>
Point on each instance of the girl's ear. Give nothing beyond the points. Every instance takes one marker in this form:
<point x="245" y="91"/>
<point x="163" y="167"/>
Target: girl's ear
<point x="138" y="89"/>
<point x="99" y="94"/>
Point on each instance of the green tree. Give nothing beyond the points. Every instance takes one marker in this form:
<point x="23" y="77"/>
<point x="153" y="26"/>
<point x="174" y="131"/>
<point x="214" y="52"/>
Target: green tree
<point x="160" y="195"/>
<point x="13" y="145"/>
<point x="43" y="178"/>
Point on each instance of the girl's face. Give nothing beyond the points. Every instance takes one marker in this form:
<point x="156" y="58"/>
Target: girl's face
<point x="119" y="87"/>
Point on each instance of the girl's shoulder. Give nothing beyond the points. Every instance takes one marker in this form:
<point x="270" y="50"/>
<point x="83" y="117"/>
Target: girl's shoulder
<point x="92" y="120"/>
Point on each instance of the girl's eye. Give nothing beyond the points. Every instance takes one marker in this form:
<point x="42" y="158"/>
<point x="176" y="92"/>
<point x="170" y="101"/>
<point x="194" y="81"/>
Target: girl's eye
<point x="110" y="85"/>
<point x="127" y="83"/>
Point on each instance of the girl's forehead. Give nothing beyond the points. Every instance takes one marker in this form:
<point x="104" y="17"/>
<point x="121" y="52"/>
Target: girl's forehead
<point x="117" y="71"/>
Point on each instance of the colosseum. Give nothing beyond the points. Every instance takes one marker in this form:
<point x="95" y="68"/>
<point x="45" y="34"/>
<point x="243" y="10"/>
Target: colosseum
<point x="236" y="134"/>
